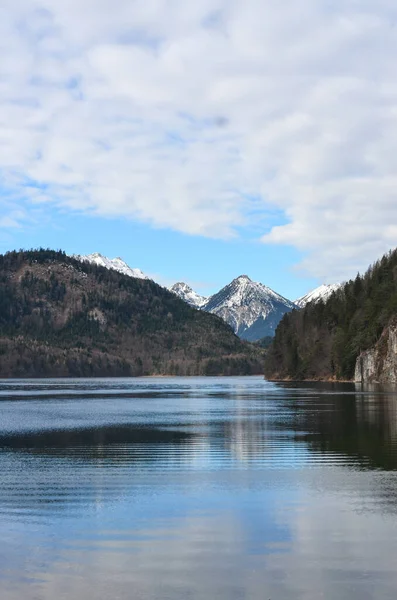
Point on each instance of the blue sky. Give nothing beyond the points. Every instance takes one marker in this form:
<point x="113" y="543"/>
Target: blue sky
<point x="202" y="140"/>
<point x="168" y="256"/>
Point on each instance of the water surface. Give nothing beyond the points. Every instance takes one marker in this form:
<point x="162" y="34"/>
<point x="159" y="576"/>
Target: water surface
<point x="197" y="488"/>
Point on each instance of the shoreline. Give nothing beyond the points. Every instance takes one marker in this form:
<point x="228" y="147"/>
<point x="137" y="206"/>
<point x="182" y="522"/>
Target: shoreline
<point x="318" y="380"/>
<point x="40" y="377"/>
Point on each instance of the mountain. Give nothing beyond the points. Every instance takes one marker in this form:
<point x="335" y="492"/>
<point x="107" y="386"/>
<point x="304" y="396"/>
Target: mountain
<point x="251" y="309"/>
<point x="186" y="293"/>
<point x="352" y="334"/>
<point x="60" y="316"/>
<point x="323" y="292"/>
<point x="117" y="264"/>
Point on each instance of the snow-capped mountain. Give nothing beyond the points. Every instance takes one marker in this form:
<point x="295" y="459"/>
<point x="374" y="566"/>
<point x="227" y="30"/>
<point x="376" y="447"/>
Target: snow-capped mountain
<point x="185" y="292"/>
<point x="323" y="292"/>
<point x="252" y="309"/>
<point x="111" y="263"/>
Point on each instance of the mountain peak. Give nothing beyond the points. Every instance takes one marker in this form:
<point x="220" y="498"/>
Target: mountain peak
<point x="243" y="278"/>
<point x="323" y="292"/>
<point x="117" y="264"/>
<point x="180" y="285"/>
<point x="186" y="293"/>
<point x="252" y="309"/>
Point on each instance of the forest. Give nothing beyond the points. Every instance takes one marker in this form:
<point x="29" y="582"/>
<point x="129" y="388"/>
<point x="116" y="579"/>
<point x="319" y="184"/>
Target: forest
<point x="62" y="317"/>
<point x="324" y="339"/>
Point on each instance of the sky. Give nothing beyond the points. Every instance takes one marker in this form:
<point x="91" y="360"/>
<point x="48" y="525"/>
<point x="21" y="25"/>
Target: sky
<point x="202" y="140"/>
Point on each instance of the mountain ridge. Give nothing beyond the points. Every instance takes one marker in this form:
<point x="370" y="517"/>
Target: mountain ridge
<point x="117" y="264"/>
<point x="63" y="317"/>
<point x="252" y="309"/>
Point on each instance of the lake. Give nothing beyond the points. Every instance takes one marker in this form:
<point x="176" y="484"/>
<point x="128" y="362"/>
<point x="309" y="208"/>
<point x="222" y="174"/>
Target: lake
<point x="197" y="488"/>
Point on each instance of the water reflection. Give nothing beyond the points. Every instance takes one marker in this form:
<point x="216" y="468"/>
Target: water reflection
<point x="361" y="424"/>
<point x="197" y="488"/>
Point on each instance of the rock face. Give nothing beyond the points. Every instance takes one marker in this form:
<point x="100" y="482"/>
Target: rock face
<point x="379" y="364"/>
<point x="365" y="371"/>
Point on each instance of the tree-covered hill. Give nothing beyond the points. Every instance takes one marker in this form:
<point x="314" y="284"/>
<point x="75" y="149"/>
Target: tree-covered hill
<point x="324" y="339"/>
<point x="61" y="317"/>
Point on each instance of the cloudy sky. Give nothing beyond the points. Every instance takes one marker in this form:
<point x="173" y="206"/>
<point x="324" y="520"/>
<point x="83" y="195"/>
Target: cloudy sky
<point x="200" y="140"/>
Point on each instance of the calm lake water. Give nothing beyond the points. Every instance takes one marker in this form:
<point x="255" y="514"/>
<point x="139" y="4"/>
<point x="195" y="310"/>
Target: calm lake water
<point x="202" y="489"/>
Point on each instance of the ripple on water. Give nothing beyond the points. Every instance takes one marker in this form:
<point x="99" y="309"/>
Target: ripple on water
<point x="197" y="488"/>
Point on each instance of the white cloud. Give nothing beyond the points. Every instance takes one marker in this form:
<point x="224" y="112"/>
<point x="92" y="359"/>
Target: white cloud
<point x="9" y="222"/>
<point x="179" y="113"/>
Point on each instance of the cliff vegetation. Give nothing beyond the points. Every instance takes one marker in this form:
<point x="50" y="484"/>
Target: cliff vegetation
<point x="324" y="339"/>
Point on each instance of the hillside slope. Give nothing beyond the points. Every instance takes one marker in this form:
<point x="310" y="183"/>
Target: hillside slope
<point x="63" y="317"/>
<point x="324" y="339"/>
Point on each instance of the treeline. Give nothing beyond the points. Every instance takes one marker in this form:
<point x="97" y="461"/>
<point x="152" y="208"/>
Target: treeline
<point x="324" y="339"/>
<point x="61" y="317"/>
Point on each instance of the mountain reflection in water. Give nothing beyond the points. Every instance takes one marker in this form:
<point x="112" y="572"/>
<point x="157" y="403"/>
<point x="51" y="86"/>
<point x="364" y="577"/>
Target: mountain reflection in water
<point x="197" y="488"/>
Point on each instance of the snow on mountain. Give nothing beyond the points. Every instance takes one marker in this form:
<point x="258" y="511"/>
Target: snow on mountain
<point x="252" y="309"/>
<point x="185" y="292"/>
<point x="323" y="292"/>
<point x="111" y="263"/>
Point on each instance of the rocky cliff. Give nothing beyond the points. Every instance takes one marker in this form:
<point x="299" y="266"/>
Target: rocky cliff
<point x="379" y="364"/>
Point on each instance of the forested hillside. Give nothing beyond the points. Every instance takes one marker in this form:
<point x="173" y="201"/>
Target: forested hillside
<point x="62" y="317"/>
<point x="324" y="339"/>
